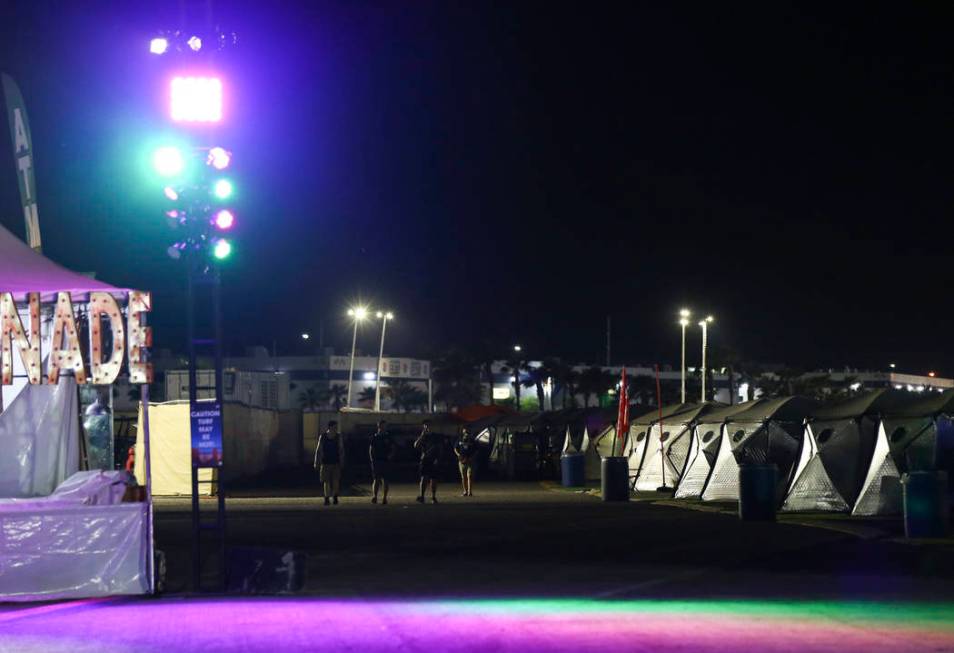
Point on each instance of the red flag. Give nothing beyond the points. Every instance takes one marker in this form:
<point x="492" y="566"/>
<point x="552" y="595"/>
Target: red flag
<point x="622" y="420"/>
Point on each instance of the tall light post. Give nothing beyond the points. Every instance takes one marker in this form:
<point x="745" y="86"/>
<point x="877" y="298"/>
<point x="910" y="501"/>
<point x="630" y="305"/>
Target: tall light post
<point x="516" y="375"/>
<point x="705" y="338"/>
<point x="684" y="322"/>
<point x="384" y="317"/>
<point x="358" y="314"/>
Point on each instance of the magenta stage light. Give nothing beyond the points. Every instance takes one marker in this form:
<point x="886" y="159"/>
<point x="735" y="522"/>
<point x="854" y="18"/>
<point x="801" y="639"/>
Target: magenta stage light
<point x="224" y="219"/>
<point x="219" y="158"/>
<point x="158" y="45"/>
<point x="171" y="193"/>
<point x="196" y="99"/>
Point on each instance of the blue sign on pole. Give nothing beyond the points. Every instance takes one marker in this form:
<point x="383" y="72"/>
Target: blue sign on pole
<point x="206" y="420"/>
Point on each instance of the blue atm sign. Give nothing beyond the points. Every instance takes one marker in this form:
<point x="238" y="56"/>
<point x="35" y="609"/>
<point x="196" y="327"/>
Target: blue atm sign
<point x="206" y="420"/>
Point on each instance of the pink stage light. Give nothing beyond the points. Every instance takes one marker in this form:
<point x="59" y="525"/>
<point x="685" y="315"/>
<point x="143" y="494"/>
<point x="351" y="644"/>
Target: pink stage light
<point x="224" y="219"/>
<point x="196" y="99"/>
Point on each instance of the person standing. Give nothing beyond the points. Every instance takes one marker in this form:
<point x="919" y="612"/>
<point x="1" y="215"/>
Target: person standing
<point x="466" y="449"/>
<point x="430" y="445"/>
<point x="329" y="459"/>
<point x="381" y="453"/>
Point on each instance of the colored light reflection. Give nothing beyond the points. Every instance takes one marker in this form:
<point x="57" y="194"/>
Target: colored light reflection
<point x="196" y="99"/>
<point x="170" y="193"/>
<point x="466" y="626"/>
<point x="222" y="189"/>
<point x="222" y="249"/>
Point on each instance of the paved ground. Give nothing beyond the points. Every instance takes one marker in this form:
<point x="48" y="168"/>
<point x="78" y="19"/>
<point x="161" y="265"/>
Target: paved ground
<point x="523" y="567"/>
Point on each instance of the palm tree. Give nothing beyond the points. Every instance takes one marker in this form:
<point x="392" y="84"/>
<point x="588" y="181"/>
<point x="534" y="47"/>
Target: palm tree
<point x="594" y="381"/>
<point x="457" y="379"/>
<point x="404" y="396"/>
<point x="514" y="366"/>
<point x="310" y="399"/>
<point x="366" y="396"/>
<point x="335" y="394"/>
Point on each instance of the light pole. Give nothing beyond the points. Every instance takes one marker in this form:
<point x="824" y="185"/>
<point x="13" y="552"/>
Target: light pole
<point x="384" y="317"/>
<point x="516" y="375"/>
<point x="358" y="313"/>
<point x="705" y="335"/>
<point x="684" y="322"/>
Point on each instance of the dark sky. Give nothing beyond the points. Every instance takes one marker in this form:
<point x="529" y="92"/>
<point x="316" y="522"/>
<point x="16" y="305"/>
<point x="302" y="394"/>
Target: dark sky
<point x="512" y="172"/>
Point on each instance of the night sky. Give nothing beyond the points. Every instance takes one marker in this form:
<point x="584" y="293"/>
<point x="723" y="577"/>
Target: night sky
<point x="513" y="172"/>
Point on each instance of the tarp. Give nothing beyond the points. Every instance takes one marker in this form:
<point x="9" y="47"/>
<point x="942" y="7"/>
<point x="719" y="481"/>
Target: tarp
<point x="25" y="271"/>
<point x="704" y="445"/>
<point x="39" y="439"/>
<point x="73" y="552"/>
<point x="170" y="449"/>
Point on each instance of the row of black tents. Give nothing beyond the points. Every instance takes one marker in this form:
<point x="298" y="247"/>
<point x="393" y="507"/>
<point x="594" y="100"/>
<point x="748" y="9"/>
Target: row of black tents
<point x="846" y="455"/>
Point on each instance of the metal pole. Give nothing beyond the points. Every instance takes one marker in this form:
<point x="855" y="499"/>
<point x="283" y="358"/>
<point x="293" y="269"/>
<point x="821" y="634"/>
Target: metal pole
<point x="147" y="460"/>
<point x="705" y="332"/>
<point x="683" y="384"/>
<point x="377" y="383"/>
<point x="354" y="341"/>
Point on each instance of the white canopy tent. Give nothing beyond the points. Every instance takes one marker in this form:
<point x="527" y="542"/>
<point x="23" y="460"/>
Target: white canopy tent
<point x="705" y="441"/>
<point x="71" y="540"/>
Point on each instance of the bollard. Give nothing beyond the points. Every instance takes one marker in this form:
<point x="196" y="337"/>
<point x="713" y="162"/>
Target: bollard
<point x="572" y="470"/>
<point x="615" y="478"/>
<point x="926" y="512"/>
<point x="757" y="500"/>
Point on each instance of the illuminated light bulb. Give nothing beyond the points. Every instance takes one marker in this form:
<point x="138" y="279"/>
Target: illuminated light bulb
<point x="168" y="161"/>
<point x="222" y="189"/>
<point x="222" y="249"/>
<point x="224" y="219"/>
<point x="158" y="45"/>
<point x="219" y="158"/>
<point x="171" y="193"/>
<point x="196" y="99"/>
<point x="195" y="43"/>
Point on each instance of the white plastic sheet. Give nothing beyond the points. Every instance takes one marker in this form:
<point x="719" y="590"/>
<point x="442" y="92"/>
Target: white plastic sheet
<point x="39" y="438"/>
<point x="77" y="551"/>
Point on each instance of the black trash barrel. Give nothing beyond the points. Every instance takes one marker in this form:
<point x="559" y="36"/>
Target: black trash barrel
<point x="572" y="470"/>
<point x="757" y="500"/>
<point x="926" y="512"/>
<point x="615" y="478"/>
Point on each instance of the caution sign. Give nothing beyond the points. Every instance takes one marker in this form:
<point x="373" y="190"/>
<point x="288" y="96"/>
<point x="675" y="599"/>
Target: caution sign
<point x="206" y="420"/>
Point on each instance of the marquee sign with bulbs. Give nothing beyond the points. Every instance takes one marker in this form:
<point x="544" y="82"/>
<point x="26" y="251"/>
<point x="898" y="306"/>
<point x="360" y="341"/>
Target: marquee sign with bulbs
<point x="130" y="338"/>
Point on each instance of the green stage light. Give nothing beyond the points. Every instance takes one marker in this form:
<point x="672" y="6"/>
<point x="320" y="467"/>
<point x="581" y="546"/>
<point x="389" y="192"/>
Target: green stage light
<point x="222" y="249"/>
<point x="168" y="161"/>
<point x="222" y="189"/>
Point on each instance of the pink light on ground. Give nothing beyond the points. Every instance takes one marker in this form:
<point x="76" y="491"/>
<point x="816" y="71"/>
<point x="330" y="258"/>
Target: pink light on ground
<point x="467" y="626"/>
<point x="196" y="99"/>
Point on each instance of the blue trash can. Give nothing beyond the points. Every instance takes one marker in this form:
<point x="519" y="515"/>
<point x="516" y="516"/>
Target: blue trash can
<point x="615" y="478"/>
<point x="572" y="470"/>
<point x="926" y="511"/>
<point x="757" y="500"/>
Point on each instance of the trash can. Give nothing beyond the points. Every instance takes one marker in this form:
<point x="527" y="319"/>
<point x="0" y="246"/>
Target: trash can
<point x="926" y="512"/>
<point x="572" y="470"/>
<point x="615" y="478"/>
<point x="757" y="501"/>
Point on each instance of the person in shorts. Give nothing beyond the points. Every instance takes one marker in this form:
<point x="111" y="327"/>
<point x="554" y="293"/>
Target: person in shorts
<point x="329" y="459"/>
<point x="381" y="453"/>
<point x="430" y="445"/>
<point x="466" y="450"/>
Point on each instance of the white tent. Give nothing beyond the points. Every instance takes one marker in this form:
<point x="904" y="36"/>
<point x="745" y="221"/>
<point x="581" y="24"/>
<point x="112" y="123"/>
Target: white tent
<point x="593" y="469"/>
<point x="639" y="430"/>
<point x="705" y="439"/>
<point x="840" y="445"/>
<point x="667" y="447"/>
<point x="766" y="433"/>
<point x="568" y="446"/>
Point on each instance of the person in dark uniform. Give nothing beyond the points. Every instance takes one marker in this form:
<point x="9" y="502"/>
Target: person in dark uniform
<point x="430" y="445"/>
<point x="329" y="459"/>
<point x="466" y="450"/>
<point x="381" y="453"/>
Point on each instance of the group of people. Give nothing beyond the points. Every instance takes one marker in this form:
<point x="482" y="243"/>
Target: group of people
<point x="330" y="459"/>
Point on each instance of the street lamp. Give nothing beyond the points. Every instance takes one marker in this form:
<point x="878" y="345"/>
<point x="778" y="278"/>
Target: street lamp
<point x="358" y="314"/>
<point x="516" y="375"/>
<point x="684" y="322"/>
<point x="305" y="336"/>
<point x="384" y="317"/>
<point x="705" y="335"/>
